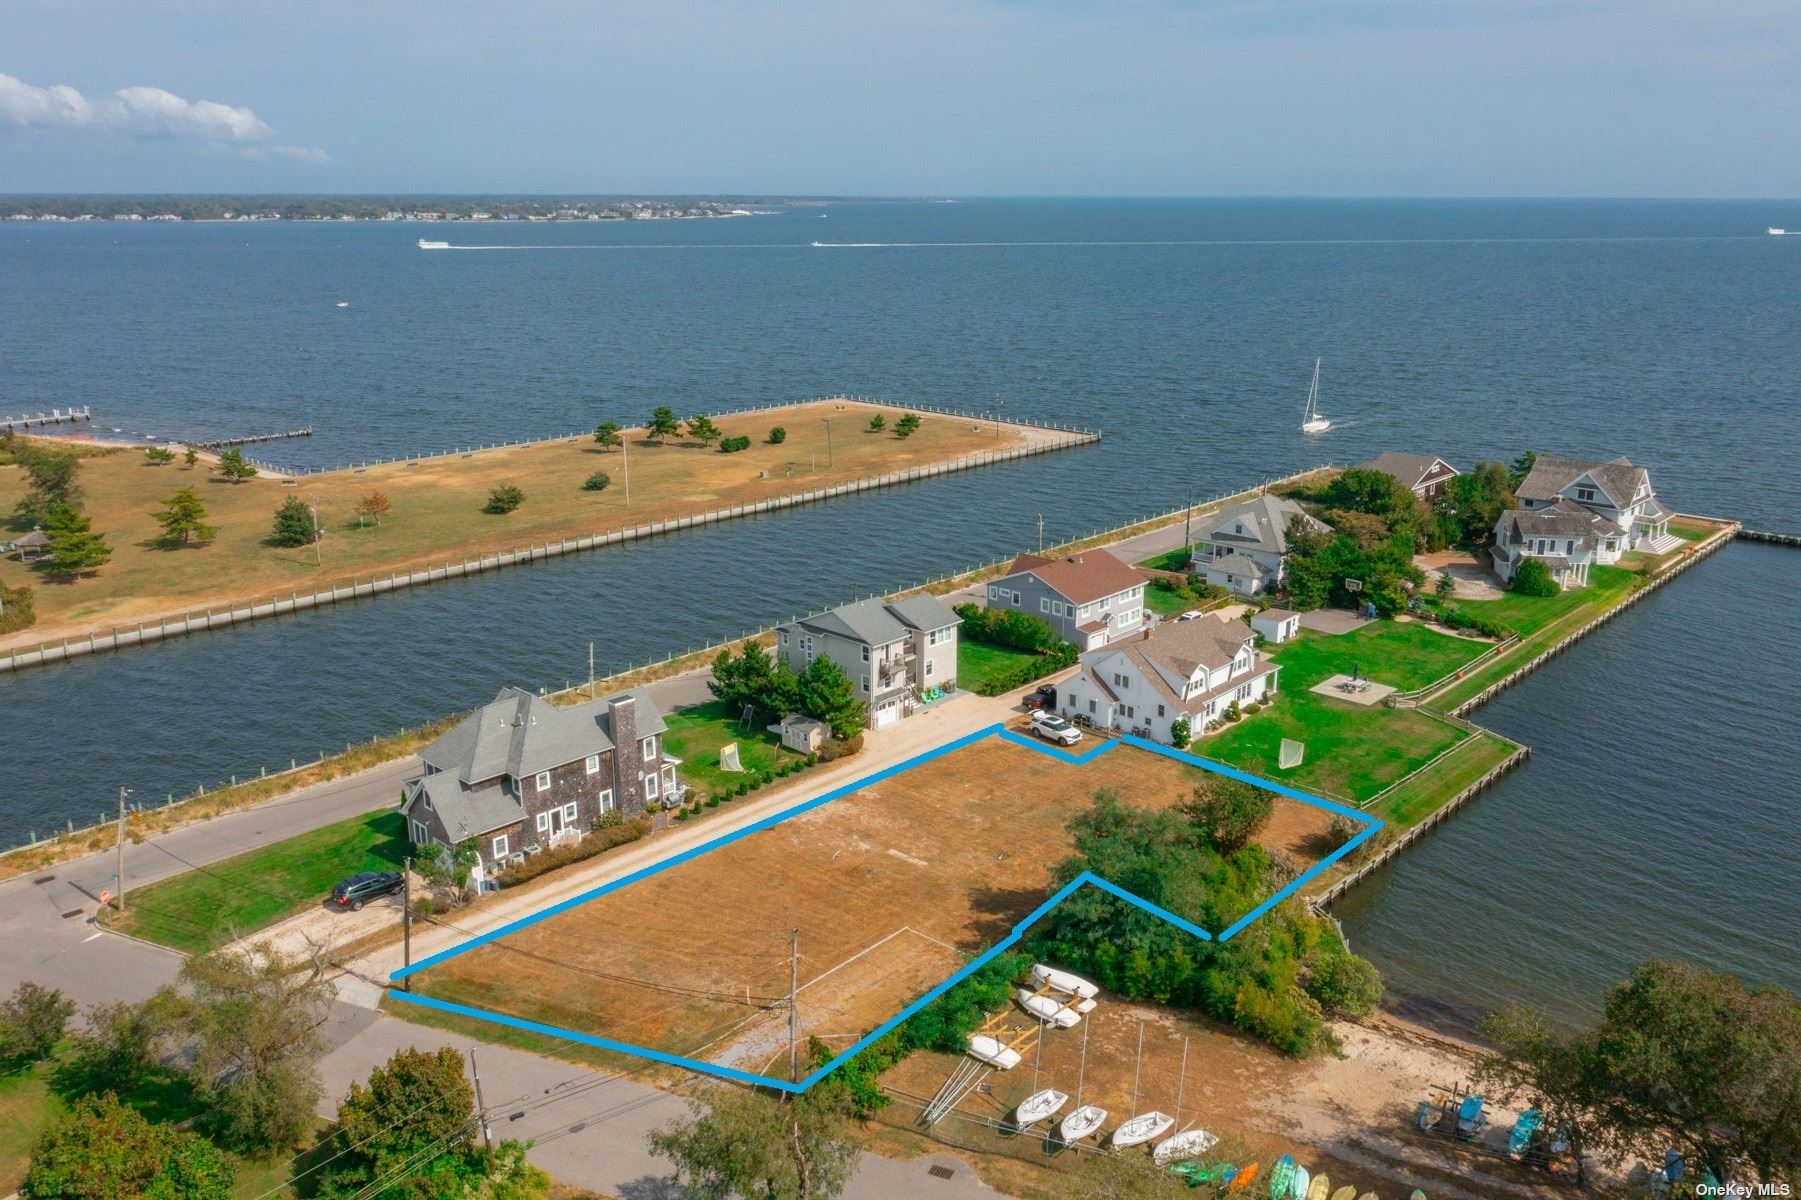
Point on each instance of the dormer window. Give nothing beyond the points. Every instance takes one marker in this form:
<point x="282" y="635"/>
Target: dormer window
<point x="1585" y="494"/>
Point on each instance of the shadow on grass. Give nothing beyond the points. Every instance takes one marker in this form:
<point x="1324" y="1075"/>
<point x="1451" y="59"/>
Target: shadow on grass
<point x="995" y="911"/>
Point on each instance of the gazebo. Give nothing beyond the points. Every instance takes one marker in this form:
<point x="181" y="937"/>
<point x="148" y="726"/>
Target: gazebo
<point x="31" y="547"/>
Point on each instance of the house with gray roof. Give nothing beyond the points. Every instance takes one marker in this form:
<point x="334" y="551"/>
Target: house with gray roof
<point x="1422" y="474"/>
<point x="1564" y="535"/>
<point x="1616" y="491"/>
<point x="897" y="653"/>
<point x="521" y="774"/>
<point x="1244" y="547"/>
<point x="1178" y="671"/>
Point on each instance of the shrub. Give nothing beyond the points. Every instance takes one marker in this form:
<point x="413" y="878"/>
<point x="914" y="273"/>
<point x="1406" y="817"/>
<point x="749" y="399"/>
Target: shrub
<point x="1343" y="983"/>
<point x="293" y="523"/>
<point x="597" y="482"/>
<point x="835" y="748"/>
<point x="1252" y="709"/>
<point x="712" y="801"/>
<point x="878" y="423"/>
<point x="1180" y="733"/>
<point x="504" y="499"/>
<point x="777" y="436"/>
<point x="589" y="845"/>
<point x="16" y="608"/>
<point x="158" y="455"/>
<point x="732" y="445"/>
<point x="1233" y="712"/>
<point x="906" y="425"/>
<point x="1533" y="578"/>
<point x="32" y="1021"/>
<point x="681" y="814"/>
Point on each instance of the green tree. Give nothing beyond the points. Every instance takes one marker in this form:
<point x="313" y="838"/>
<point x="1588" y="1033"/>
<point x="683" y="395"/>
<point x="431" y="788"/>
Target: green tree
<point x="606" y="435"/>
<point x="747" y="1143"/>
<point x="1228" y="812"/>
<point x="1446" y="587"/>
<point x="32" y="1021"/>
<point x="374" y="507"/>
<point x="156" y="456"/>
<point x="1180" y="733"/>
<point x="293" y="523"/>
<point x="183" y="518"/>
<point x="116" y="1047"/>
<point x="1367" y="531"/>
<point x="254" y="1018"/>
<point x="448" y="867"/>
<point x="1342" y="982"/>
<point x="702" y="430"/>
<point x="52" y="478"/>
<point x="751" y="677"/>
<point x="190" y="456"/>
<point x="597" y="482"/>
<point x="504" y="499"/>
<point x="827" y="693"/>
<point x="878" y="423"/>
<point x="1519" y="469"/>
<point x="233" y="466"/>
<point x="1696" y="1059"/>
<point x="663" y="423"/>
<point x="777" y="436"/>
<point x="75" y="549"/>
<point x="103" y="1150"/>
<point x="1557" y="1071"/>
<point x="415" y="1111"/>
<point x="1474" y="501"/>
<point x="906" y="425"/>
<point x="1533" y="578"/>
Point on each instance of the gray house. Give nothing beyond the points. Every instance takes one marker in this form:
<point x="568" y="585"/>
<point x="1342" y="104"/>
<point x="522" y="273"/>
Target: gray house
<point x="1243" y="547"/>
<point x="1090" y="598"/>
<point x="895" y="651"/>
<point x="521" y="774"/>
<point x="1424" y="475"/>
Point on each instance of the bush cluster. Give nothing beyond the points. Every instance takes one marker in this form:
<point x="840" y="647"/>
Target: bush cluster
<point x="1456" y="618"/>
<point x="777" y="436"/>
<point x="504" y="499"/>
<point x="732" y="445"/>
<point x="602" y="839"/>
<point x="597" y="482"/>
<point x="16" y="608"/>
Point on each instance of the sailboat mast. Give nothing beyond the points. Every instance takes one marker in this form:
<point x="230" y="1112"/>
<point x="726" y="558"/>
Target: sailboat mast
<point x="1135" y="1068"/>
<point x="1082" y="1068"/>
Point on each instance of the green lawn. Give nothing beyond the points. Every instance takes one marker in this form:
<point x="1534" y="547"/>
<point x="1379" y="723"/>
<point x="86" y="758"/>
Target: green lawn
<point x="1691" y="533"/>
<point x="1170" y="603"/>
<point x="697" y="734"/>
<point x="198" y="910"/>
<point x="1420" y="796"/>
<point x="1528" y="614"/>
<point x="978" y="662"/>
<point x="1353" y="751"/>
<point x="1169" y="560"/>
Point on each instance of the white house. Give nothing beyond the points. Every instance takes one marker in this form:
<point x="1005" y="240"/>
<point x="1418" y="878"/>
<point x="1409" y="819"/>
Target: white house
<point x="1181" y="669"/>
<point x="1565" y="536"/>
<point x="1616" y="491"/>
<point x="1277" y="625"/>
<point x="1244" y="547"/>
<point x="1090" y="598"/>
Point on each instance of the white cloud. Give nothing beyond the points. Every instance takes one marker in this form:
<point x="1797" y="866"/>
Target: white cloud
<point x="143" y="112"/>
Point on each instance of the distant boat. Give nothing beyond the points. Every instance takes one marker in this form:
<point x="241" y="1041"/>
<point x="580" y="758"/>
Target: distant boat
<point x="1775" y="232"/>
<point x="425" y="245"/>
<point x="343" y="304"/>
<point x="1311" y="421"/>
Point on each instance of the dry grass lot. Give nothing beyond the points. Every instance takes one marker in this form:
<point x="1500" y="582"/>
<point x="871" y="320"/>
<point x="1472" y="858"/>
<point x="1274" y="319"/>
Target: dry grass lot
<point x="436" y="515"/>
<point x="891" y="889"/>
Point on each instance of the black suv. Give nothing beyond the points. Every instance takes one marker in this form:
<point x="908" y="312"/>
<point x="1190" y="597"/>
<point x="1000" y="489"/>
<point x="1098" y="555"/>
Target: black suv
<point x="358" y="890"/>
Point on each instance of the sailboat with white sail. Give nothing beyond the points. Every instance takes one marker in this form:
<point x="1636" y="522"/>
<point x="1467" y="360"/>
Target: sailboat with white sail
<point x="1311" y="420"/>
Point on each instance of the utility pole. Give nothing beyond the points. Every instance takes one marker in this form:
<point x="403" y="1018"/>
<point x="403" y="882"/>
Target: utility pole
<point x="1041" y="533"/>
<point x="1180" y="1081"/>
<point x="406" y="920"/>
<point x="793" y="996"/>
<point x="315" y="506"/>
<point x="481" y="1111"/>
<point x="123" y="792"/>
<point x="828" y="441"/>
<point x="590" y="670"/>
<point x="625" y="464"/>
<point x="998" y="405"/>
<point x="1187" y="522"/>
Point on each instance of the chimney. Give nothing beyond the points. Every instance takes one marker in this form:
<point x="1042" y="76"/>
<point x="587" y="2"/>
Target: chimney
<point x="628" y="762"/>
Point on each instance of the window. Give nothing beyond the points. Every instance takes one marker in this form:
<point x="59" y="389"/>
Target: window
<point x="650" y="786"/>
<point x="500" y="846"/>
<point x="543" y="781"/>
<point x="1091" y="706"/>
<point x="1584" y="493"/>
<point x="1160" y="710"/>
<point x="569" y="813"/>
<point x="428" y="807"/>
<point x="863" y="683"/>
<point x="593" y="764"/>
<point x="994" y="593"/>
<point x="1044" y="604"/>
<point x="928" y="668"/>
<point x="649" y="747"/>
<point x="783" y="637"/>
<point x="543" y="822"/>
<point x="1018" y="599"/>
<point x="606" y="800"/>
<point x="866" y="654"/>
<point x="1130" y="713"/>
<point x="420" y="836"/>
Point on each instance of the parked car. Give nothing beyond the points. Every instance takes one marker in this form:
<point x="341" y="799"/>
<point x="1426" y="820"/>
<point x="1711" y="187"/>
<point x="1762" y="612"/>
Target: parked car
<point x="358" y="890"/>
<point x="1053" y="728"/>
<point x="1193" y="614"/>
<point x="1045" y="697"/>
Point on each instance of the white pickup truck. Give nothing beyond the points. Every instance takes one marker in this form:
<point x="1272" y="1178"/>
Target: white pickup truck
<point x="1053" y="728"/>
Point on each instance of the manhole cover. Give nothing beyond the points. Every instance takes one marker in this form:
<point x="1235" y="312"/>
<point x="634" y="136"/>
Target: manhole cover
<point x="73" y="912"/>
<point x="940" y="1172"/>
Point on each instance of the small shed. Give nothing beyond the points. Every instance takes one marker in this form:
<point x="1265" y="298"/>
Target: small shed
<point x="801" y="733"/>
<point x="31" y="546"/>
<point x="1276" y="624"/>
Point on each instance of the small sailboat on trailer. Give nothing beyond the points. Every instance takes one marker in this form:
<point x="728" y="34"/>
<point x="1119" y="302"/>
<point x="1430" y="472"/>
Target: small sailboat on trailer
<point x="1190" y="1143"/>
<point x="993" y="1051"/>
<point x="1311" y="421"/>
<point x="1049" y="1009"/>
<point x="1141" y="1129"/>
<point x="1084" y="1122"/>
<point x="1063" y="981"/>
<point x="1039" y="1106"/>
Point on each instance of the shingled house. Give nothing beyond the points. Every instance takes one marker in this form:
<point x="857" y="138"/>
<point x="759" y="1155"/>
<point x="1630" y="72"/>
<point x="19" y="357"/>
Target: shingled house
<point x="1244" y="547"/>
<point x="1090" y="598"/>
<point x="1181" y="670"/>
<point x="1423" y="474"/>
<point x="521" y="774"/>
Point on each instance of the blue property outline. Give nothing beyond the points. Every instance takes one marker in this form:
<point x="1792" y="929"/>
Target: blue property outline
<point x="1085" y="879"/>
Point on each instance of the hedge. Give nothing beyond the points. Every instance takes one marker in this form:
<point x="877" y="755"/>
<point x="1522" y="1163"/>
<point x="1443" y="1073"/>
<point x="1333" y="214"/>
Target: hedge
<point x="591" y="844"/>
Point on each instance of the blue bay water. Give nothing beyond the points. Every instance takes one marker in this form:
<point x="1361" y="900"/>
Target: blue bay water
<point x="1185" y="330"/>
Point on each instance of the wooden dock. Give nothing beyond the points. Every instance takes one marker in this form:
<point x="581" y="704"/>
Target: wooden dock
<point x="56" y="416"/>
<point x="221" y="443"/>
<point x="1763" y="535"/>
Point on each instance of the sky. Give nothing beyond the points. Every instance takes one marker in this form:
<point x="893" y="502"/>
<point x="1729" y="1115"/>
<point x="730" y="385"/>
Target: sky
<point x="1642" y="98"/>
